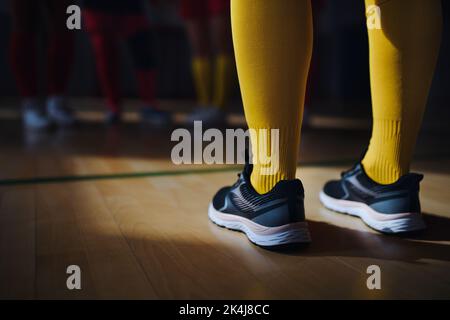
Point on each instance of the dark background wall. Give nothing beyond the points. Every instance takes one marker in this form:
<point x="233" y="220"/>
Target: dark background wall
<point x="339" y="81"/>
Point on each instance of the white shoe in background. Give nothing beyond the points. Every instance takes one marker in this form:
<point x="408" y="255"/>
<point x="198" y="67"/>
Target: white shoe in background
<point x="33" y="116"/>
<point x="59" y="112"/>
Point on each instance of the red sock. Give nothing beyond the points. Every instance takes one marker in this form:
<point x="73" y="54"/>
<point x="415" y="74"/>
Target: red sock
<point x="105" y="51"/>
<point x="23" y="55"/>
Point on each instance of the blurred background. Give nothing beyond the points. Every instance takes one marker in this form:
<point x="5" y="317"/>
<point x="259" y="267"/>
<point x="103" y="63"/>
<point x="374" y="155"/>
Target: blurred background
<point x="339" y="82"/>
<point x="158" y="74"/>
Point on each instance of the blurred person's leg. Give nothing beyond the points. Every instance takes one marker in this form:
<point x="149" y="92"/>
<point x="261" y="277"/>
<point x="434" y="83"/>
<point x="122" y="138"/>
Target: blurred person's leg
<point x="195" y="13"/>
<point x="23" y="56"/>
<point x="103" y="36"/>
<point x="273" y="45"/>
<point x="404" y="39"/>
<point x="140" y="40"/>
<point x="106" y="57"/>
<point x="60" y="52"/>
<point x="220" y="23"/>
<point x="209" y="29"/>
<point x="144" y="62"/>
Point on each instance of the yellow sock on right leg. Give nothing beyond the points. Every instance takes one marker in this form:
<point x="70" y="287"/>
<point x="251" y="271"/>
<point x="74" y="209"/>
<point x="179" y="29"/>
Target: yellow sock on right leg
<point x="404" y="39"/>
<point x="273" y="45"/>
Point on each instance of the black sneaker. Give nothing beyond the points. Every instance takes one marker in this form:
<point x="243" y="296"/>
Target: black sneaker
<point x="274" y="219"/>
<point x="391" y="208"/>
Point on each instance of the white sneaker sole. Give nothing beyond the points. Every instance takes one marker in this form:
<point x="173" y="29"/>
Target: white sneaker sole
<point x="386" y="223"/>
<point x="293" y="233"/>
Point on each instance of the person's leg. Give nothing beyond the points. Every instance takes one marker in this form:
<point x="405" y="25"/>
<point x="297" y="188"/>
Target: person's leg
<point x="60" y="51"/>
<point x="404" y="37"/>
<point x="141" y="44"/>
<point x="104" y="43"/>
<point x="273" y="45"/>
<point x="144" y="59"/>
<point x="220" y="23"/>
<point x="106" y="56"/>
<point x="195" y="14"/>
<point x="23" y="55"/>
<point x="212" y="26"/>
<point x="403" y="55"/>
<point x="60" y="47"/>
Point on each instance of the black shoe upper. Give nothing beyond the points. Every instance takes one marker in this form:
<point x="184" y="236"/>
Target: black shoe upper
<point x="282" y="205"/>
<point x="398" y="197"/>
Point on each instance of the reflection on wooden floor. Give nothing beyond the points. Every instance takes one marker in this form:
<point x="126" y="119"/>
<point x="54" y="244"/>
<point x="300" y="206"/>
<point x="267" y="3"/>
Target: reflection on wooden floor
<point x="150" y="237"/>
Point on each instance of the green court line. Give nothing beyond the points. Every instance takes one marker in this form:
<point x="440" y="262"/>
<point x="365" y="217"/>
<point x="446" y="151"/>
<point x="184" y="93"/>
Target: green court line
<point x="162" y="173"/>
<point x="126" y="175"/>
<point x="144" y="174"/>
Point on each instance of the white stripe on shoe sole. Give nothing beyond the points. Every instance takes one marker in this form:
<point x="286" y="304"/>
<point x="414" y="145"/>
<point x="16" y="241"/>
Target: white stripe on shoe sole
<point x="263" y="236"/>
<point x="387" y="223"/>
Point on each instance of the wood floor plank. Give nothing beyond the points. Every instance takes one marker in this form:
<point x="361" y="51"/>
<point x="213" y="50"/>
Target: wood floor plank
<point x="76" y="227"/>
<point x="150" y="238"/>
<point x="17" y="242"/>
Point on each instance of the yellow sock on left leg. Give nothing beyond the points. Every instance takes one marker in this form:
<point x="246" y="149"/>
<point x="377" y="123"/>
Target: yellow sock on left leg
<point x="273" y="45"/>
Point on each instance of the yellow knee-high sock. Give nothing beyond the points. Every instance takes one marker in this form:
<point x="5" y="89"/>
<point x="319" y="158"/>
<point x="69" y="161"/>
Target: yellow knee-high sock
<point x="201" y="69"/>
<point x="222" y="78"/>
<point x="404" y="39"/>
<point x="273" y="45"/>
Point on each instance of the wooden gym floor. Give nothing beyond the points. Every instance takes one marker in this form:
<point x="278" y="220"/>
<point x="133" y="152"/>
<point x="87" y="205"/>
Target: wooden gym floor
<point x="110" y="201"/>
